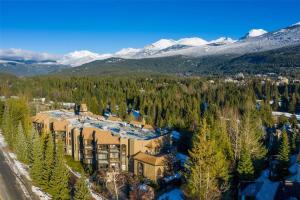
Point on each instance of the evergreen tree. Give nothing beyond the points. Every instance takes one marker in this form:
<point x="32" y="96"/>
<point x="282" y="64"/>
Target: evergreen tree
<point x="59" y="183"/>
<point x="283" y="155"/>
<point x="245" y="167"/>
<point x="36" y="170"/>
<point x="20" y="146"/>
<point x="208" y="167"/>
<point x="81" y="190"/>
<point x="7" y="125"/>
<point x="29" y="145"/>
<point x="48" y="162"/>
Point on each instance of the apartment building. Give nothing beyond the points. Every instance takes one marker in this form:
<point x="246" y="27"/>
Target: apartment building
<point x="108" y="143"/>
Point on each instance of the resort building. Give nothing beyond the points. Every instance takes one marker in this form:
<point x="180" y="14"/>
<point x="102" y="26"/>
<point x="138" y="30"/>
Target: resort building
<point x="108" y="143"/>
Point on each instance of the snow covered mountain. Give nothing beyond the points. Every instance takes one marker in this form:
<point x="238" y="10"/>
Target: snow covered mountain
<point x="254" y="41"/>
<point x="255" y="33"/>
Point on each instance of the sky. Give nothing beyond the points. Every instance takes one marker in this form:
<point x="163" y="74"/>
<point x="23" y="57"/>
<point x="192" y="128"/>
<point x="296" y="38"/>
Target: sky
<point x="105" y="26"/>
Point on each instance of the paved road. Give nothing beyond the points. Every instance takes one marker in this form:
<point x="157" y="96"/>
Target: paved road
<point x="9" y="187"/>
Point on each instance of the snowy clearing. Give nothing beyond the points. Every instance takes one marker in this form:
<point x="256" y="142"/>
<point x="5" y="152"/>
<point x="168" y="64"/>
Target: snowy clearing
<point x="175" y="194"/>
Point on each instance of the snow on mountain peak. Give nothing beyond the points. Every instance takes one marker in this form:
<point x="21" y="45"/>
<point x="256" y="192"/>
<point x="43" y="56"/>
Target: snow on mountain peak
<point x="161" y="44"/>
<point x="223" y="40"/>
<point x="127" y="52"/>
<point x="256" y="32"/>
<point x="77" y="58"/>
<point x="296" y="24"/>
<point x="193" y="41"/>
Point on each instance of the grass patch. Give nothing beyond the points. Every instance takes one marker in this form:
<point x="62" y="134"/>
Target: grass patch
<point x="75" y="165"/>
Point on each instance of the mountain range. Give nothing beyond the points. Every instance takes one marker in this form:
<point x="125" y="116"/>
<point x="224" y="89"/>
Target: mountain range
<point x="184" y="54"/>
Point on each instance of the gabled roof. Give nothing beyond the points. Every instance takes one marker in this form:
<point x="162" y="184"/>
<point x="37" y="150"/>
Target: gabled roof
<point x="112" y="118"/>
<point x="60" y="125"/>
<point x="101" y="136"/>
<point x="150" y="159"/>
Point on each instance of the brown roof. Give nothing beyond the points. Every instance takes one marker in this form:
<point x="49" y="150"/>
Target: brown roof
<point x="106" y="137"/>
<point x="87" y="132"/>
<point x="83" y="107"/>
<point x="133" y="122"/>
<point x="149" y="127"/>
<point x="150" y="159"/>
<point x="102" y="136"/>
<point x="112" y="118"/>
<point x="40" y="117"/>
<point x="60" y="125"/>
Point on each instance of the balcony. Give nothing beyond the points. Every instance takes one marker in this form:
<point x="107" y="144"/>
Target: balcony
<point x="88" y="146"/>
<point x="103" y="151"/>
<point x="114" y="150"/>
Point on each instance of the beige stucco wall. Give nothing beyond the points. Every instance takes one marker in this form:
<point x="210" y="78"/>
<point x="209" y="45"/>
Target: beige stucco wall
<point x="150" y="171"/>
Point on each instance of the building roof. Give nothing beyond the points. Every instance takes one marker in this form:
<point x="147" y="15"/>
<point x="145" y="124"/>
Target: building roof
<point x="83" y="107"/>
<point x="60" y="125"/>
<point x="106" y="137"/>
<point x="136" y="123"/>
<point x="40" y="117"/>
<point x="87" y="133"/>
<point x="150" y="159"/>
<point x="148" y="127"/>
<point x="113" y="118"/>
<point x="113" y="124"/>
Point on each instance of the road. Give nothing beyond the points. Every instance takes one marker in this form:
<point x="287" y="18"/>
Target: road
<point x="10" y="189"/>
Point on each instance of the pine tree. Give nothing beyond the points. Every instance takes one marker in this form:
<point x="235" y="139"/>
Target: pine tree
<point x="20" y="146"/>
<point x="48" y="162"/>
<point x="7" y="126"/>
<point x="81" y="190"/>
<point x="284" y="154"/>
<point x="208" y="167"/>
<point x="29" y="145"/>
<point x="36" y="170"/>
<point x="59" y="182"/>
<point x="245" y="167"/>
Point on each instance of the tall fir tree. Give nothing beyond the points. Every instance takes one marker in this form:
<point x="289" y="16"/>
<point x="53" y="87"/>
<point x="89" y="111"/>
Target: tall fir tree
<point x="29" y="145"/>
<point x="208" y="167"/>
<point x="20" y="146"/>
<point x="59" y="183"/>
<point x="48" y="162"/>
<point x="245" y="167"/>
<point x="284" y="155"/>
<point x="81" y="190"/>
<point x="36" y="170"/>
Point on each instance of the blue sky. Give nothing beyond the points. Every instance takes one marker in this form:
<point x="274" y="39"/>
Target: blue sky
<point x="61" y="26"/>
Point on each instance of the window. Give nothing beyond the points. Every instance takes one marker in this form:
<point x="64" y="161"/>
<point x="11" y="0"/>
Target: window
<point x="114" y="155"/>
<point x="159" y="173"/>
<point x="102" y="156"/>
<point x="140" y="169"/>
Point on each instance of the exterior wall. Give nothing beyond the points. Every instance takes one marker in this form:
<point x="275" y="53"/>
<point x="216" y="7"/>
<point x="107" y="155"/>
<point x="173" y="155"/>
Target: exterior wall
<point x="76" y="144"/>
<point x="119" y="156"/>
<point x="150" y="171"/>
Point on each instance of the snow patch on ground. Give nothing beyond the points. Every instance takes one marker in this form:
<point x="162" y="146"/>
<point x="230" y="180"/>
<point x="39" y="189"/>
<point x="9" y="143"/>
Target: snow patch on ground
<point x="2" y="141"/>
<point x="175" y="135"/>
<point x="175" y="194"/>
<point x="78" y="175"/>
<point x="42" y="195"/>
<point x="20" y="170"/>
<point x="181" y="158"/>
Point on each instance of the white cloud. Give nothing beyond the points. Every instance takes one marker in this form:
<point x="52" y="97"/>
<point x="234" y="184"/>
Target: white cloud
<point x="20" y="54"/>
